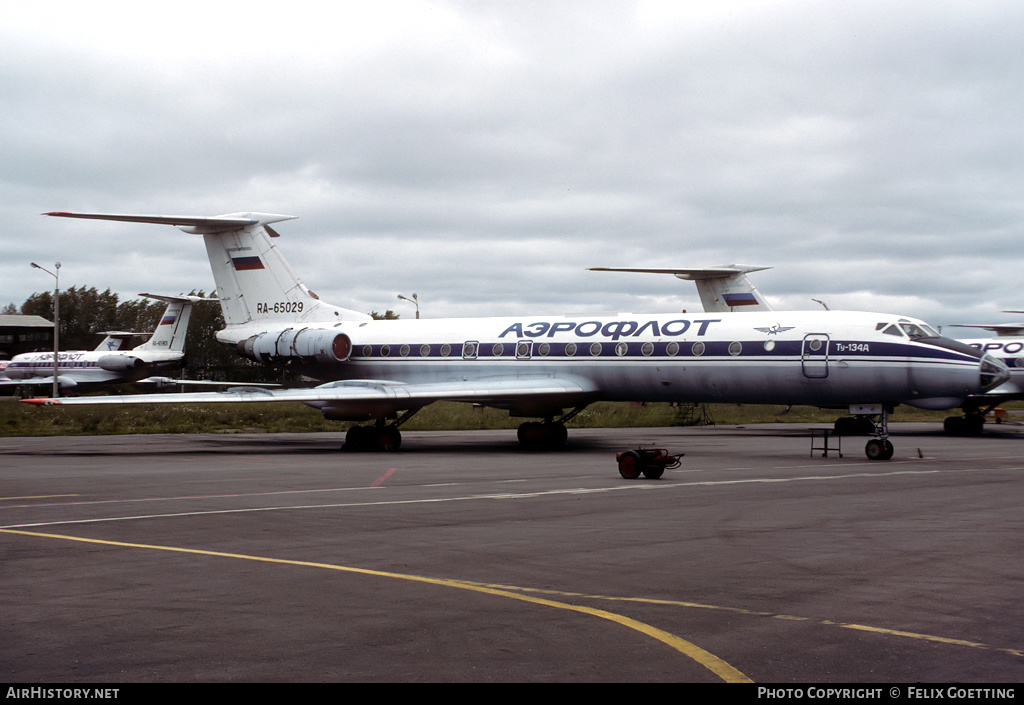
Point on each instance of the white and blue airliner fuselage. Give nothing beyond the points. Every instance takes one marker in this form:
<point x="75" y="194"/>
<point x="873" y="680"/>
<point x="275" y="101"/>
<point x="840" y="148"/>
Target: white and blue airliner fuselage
<point x="751" y="358"/>
<point x="539" y="366"/>
<point x="108" y="364"/>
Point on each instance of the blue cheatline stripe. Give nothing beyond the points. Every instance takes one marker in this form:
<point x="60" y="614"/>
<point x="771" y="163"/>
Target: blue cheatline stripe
<point x="662" y="350"/>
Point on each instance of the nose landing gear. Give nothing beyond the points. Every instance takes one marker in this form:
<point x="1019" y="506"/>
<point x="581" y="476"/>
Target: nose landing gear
<point x="880" y="448"/>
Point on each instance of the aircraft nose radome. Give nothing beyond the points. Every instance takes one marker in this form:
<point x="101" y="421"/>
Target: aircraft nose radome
<point x="992" y="372"/>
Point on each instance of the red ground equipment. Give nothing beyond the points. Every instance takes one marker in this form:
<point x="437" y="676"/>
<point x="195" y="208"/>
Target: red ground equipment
<point x="652" y="462"/>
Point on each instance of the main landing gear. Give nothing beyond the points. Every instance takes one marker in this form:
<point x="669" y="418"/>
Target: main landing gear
<point x="972" y="423"/>
<point x="880" y="448"/>
<point x="373" y="438"/>
<point x="380" y="437"/>
<point x="547" y="434"/>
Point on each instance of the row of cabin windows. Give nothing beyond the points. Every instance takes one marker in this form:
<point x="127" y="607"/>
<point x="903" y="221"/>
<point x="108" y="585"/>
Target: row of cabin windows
<point x="524" y="349"/>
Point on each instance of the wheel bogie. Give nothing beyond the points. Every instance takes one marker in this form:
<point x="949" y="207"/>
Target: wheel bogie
<point x="535" y="435"/>
<point x="971" y="424"/>
<point x="373" y="438"/>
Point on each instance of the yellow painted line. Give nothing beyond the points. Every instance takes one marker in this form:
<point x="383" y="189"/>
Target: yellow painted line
<point x="708" y="660"/>
<point x="773" y="615"/>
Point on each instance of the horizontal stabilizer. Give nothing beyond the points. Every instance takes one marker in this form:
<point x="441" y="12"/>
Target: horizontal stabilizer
<point x="177" y="299"/>
<point x="722" y="272"/>
<point x="254" y="283"/>
<point x="188" y="223"/>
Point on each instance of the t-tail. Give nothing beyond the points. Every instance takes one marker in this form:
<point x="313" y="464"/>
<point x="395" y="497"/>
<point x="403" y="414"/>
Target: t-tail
<point x="172" y="327"/>
<point x="255" y="284"/>
<point x="170" y="332"/>
<point x="722" y="289"/>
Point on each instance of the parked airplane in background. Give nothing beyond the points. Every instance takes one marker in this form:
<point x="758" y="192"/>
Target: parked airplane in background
<point x="540" y="366"/>
<point x="83" y="370"/>
<point x="727" y="288"/>
<point x="1008" y="346"/>
<point x="1000" y="329"/>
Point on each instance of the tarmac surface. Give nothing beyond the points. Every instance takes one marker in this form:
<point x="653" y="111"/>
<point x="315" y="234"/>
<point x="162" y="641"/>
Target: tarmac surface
<point x="275" y="557"/>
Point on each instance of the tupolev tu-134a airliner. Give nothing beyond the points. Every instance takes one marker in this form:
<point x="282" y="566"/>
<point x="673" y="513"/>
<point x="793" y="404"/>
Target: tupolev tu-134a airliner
<point x="551" y="367"/>
<point x="109" y="364"/>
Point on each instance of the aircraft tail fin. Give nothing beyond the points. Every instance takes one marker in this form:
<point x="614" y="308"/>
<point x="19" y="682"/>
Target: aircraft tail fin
<point x="170" y="332"/>
<point x="722" y="289"/>
<point x="254" y="281"/>
<point x="114" y="340"/>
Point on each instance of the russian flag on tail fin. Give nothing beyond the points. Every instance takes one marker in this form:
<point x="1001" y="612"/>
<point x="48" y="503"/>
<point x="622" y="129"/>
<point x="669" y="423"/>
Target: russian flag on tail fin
<point x="243" y="264"/>
<point x="740" y="300"/>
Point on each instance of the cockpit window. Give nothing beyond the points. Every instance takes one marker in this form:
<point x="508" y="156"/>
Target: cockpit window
<point x="919" y="331"/>
<point x="893" y="330"/>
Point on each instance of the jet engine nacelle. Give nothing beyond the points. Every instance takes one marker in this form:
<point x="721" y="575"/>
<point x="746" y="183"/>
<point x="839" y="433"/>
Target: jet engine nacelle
<point x="119" y="363"/>
<point x="318" y="344"/>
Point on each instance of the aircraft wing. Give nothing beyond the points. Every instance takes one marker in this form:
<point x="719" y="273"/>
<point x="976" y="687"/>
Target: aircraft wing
<point x="1008" y="329"/>
<point x="499" y="391"/>
<point x="11" y="384"/>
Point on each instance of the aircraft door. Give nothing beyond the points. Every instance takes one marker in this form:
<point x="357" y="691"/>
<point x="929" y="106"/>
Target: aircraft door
<point x="814" y="356"/>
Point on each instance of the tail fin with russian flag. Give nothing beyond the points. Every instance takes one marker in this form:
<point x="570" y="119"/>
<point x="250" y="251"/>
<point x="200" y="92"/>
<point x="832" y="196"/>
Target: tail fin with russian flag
<point x="255" y="283"/>
<point x="172" y="328"/>
<point x="722" y="289"/>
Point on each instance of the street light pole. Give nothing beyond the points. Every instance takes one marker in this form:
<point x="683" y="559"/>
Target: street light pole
<point x="56" y="321"/>
<point x="415" y="301"/>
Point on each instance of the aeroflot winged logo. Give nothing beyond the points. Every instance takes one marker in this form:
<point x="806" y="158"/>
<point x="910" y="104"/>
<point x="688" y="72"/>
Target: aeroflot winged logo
<point x="775" y="330"/>
<point x="611" y="329"/>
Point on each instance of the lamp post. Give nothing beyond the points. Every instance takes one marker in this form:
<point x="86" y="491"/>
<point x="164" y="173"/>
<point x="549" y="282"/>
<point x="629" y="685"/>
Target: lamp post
<point x="414" y="301"/>
<point x="56" y="321"/>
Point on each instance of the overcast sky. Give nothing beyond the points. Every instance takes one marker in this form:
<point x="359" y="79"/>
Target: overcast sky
<point x="484" y="154"/>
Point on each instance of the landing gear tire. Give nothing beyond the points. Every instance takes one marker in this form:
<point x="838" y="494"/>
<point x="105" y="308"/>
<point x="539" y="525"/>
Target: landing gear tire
<point x="879" y="449"/>
<point x="534" y="435"/>
<point x="969" y="425"/>
<point x="630" y="466"/>
<point x="954" y="425"/>
<point x="373" y="438"/>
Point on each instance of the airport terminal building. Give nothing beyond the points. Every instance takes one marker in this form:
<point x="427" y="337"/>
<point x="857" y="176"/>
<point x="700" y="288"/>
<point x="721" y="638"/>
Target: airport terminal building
<point x="20" y="334"/>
